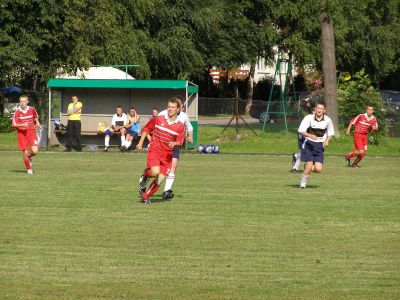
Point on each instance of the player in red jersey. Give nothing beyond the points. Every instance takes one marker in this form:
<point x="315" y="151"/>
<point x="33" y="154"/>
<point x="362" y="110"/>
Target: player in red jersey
<point x="363" y="124"/>
<point x="167" y="133"/>
<point x="25" y="120"/>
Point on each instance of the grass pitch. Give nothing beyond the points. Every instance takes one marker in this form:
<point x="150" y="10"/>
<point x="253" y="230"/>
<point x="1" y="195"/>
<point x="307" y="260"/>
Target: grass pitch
<point x="238" y="228"/>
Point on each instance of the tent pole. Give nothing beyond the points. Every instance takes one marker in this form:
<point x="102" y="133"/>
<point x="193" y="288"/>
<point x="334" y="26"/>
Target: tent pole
<point x="49" y="121"/>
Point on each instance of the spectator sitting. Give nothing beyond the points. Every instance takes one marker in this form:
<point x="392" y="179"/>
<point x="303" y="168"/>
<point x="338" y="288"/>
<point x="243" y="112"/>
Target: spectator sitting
<point x="118" y="123"/>
<point x="133" y="127"/>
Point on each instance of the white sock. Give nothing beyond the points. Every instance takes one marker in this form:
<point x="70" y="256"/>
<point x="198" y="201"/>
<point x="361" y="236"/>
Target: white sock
<point x="297" y="163"/>
<point x="122" y="140"/>
<point x="107" y="141"/>
<point x="128" y="144"/>
<point x="303" y="181"/>
<point x="169" y="182"/>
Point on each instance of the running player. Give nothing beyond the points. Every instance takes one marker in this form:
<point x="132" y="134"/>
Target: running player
<point x="167" y="133"/>
<point x="184" y="119"/>
<point x="317" y="129"/>
<point x="363" y="124"/>
<point x="25" y="120"/>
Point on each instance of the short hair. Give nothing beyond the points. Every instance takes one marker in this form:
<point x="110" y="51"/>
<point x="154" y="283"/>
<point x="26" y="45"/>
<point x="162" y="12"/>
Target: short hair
<point x="320" y="102"/>
<point x="156" y="108"/>
<point x="368" y="105"/>
<point x="23" y="96"/>
<point x="74" y="96"/>
<point x="176" y="100"/>
<point x="119" y="106"/>
<point x="132" y="107"/>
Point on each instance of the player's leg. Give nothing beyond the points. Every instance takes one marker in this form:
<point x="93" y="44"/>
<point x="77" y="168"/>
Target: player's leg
<point x="296" y="161"/>
<point x="362" y="152"/>
<point x="358" y="145"/>
<point x="123" y="131"/>
<point x="128" y="139"/>
<point x="108" y="134"/>
<point x="306" y="173"/>
<point x="77" y="134"/>
<point x="171" y="174"/>
<point x="360" y="156"/>
<point x="154" y="186"/>
<point x="317" y="168"/>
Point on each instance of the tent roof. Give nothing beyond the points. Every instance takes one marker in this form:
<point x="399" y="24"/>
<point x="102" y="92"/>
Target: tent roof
<point x="97" y="73"/>
<point x="122" y="84"/>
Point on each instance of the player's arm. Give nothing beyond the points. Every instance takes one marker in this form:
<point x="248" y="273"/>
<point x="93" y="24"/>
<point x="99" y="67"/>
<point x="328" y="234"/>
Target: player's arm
<point x="303" y="128"/>
<point x="77" y="108"/>
<point x="189" y="129"/>
<point x="179" y="139"/>
<point x="148" y="128"/>
<point x="36" y="119"/>
<point x="15" y="124"/>
<point x="330" y="131"/>
<point x="375" y="126"/>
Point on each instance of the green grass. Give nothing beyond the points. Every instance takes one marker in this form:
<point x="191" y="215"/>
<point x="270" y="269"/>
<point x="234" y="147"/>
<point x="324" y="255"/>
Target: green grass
<point x="238" y="228"/>
<point x="280" y="143"/>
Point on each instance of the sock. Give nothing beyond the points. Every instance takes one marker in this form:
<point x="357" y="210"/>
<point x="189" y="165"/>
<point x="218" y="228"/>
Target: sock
<point x="122" y="140"/>
<point x="27" y="164"/>
<point x="351" y="155"/>
<point x="128" y="144"/>
<point x="152" y="189"/>
<point x="169" y="182"/>
<point x="297" y="163"/>
<point x="304" y="178"/>
<point x="107" y="140"/>
<point x="358" y="159"/>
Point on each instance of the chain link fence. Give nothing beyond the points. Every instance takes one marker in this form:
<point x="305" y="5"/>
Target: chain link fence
<point x="278" y="115"/>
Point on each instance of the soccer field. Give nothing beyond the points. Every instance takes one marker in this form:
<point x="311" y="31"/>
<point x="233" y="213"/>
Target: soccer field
<point x="239" y="228"/>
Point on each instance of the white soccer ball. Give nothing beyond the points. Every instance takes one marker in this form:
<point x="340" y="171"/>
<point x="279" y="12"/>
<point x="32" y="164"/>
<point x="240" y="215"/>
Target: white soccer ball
<point x="216" y="149"/>
<point x="201" y="148"/>
<point x="209" y="149"/>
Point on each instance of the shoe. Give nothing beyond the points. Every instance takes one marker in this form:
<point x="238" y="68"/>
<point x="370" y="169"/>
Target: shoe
<point x="143" y="182"/>
<point x="294" y="159"/>
<point x="347" y="160"/>
<point x="122" y="149"/>
<point x="294" y="170"/>
<point x="168" y="195"/>
<point x="355" y="166"/>
<point x="142" y="198"/>
<point x="30" y="172"/>
<point x="302" y="185"/>
<point x="105" y="149"/>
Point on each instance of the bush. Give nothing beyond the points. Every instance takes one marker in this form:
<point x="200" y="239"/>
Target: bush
<point x="5" y="123"/>
<point x="354" y="94"/>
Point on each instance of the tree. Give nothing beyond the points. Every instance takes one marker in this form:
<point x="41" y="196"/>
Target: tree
<point x="329" y="66"/>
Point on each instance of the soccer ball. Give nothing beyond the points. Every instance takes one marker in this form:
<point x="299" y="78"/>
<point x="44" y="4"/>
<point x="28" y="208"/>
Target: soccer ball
<point x="216" y="149"/>
<point x="209" y="149"/>
<point x="201" y="148"/>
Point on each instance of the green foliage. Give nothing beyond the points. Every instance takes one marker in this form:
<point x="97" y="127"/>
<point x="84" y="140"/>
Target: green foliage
<point x="353" y="97"/>
<point x="5" y="123"/>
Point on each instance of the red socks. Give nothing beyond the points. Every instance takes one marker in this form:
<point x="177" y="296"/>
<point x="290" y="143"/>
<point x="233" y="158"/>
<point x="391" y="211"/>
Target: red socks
<point x="27" y="164"/>
<point x="147" y="173"/>
<point x="351" y="155"/>
<point x="152" y="189"/>
<point x="358" y="159"/>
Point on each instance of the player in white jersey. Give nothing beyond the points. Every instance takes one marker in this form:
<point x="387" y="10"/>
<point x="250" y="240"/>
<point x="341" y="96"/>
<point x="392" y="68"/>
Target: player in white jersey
<point x="118" y="124"/>
<point x="184" y="119"/>
<point x="317" y="129"/>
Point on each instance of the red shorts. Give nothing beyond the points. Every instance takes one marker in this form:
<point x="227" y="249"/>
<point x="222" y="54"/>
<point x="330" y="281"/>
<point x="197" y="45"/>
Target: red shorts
<point x="360" y="141"/>
<point x="27" y="138"/>
<point x="161" y="159"/>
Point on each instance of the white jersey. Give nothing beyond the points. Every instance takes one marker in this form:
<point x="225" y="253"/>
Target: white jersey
<point x="322" y="128"/>
<point x="119" y="120"/>
<point x="182" y="118"/>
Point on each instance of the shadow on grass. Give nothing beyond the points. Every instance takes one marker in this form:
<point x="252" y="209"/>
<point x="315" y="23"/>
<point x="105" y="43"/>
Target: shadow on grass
<point x="309" y="186"/>
<point x="18" y="171"/>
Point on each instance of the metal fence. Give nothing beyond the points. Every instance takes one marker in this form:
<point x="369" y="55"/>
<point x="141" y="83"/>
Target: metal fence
<point x="278" y="116"/>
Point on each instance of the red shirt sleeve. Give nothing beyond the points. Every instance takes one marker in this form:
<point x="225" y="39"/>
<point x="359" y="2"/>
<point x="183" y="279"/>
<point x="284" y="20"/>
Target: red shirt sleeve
<point x="374" y="125"/>
<point x="149" y="127"/>
<point x="354" y="120"/>
<point x="15" y="118"/>
<point x="35" y="114"/>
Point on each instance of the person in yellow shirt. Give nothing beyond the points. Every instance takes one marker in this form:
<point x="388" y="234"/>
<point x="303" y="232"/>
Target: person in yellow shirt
<point x="74" y="111"/>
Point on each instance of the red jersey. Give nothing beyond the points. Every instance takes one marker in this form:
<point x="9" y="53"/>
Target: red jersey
<point x="164" y="131"/>
<point x="27" y="116"/>
<point x="363" y="124"/>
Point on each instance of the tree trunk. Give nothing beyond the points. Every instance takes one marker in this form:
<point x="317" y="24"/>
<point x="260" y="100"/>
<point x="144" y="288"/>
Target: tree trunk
<point x="329" y="69"/>
<point x="250" y="86"/>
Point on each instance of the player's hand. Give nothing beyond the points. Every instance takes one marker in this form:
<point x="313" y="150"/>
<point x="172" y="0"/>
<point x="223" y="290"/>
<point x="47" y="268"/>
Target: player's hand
<point x="313" y="137"/>
<point x="325" y="144"/>
<point x="347" y="131"/>
<point x="171" y="144"/>
<point x="190" y="140"/>
<point x="139" y="146"/>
